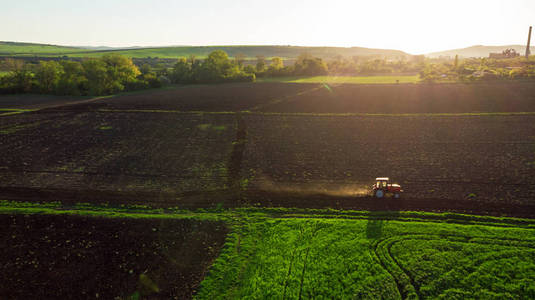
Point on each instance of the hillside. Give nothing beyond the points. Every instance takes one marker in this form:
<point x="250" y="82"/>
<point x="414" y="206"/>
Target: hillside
<point x="287" y="52"/>
<point x="479" y="51"/>
<point x="14" y="48"/>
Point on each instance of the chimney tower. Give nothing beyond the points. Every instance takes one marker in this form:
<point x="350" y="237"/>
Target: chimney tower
<point x="528" y="52"/>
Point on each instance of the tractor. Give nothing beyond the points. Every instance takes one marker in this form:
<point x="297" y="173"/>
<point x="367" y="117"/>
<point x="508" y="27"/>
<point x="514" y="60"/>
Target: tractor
<point x="383" y="187"/>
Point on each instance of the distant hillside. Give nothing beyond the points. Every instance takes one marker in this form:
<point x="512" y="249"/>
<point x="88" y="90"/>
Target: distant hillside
<point x="480" y="51"/>
<point x="13" y="48"/>
<point x="286" y="52"/>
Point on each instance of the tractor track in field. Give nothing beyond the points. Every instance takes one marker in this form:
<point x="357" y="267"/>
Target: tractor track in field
<point x="230" y="198"/>
<point x="387" y="258"/>
<point x="236" y="155"/>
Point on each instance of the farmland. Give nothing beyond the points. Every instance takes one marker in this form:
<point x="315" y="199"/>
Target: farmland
<point x="373" y="258"/>
<point x="54" y="256"/>
<point x="387" y="79"/>
<point x="448" y="157"/>
<point x="142" y="151"/>
<point x="268" y="253"/>
<point x="286" y="52"/>
<point x="298" y="98"/>
<point x="270" y="181"/>
<point x="273" y="141"/>
<point x="11" y="48"/>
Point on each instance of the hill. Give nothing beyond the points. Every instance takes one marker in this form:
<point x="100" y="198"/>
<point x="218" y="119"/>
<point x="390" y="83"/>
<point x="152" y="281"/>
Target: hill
<point x="479" y="51"/>
<point x="14" y="48"/>
<point x="286" y="52"/>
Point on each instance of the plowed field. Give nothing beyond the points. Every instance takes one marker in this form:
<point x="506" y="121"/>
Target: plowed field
<point x="451" y="146"/>
<point x="116" y="151"/>
<point x="449" y="157"/>
<point x="75" y="257"/>
<point x="322" y="98"/>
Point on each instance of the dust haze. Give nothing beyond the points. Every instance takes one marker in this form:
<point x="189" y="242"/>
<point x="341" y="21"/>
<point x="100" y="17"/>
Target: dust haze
<point x="316" y="187"/>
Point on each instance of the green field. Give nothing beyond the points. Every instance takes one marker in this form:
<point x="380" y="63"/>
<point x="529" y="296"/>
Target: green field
<point x="250" y="52"/>
<point x="28" y="49"/>
<point x="373" y="258"/>
<point x="296" y="253"/>
<point x="386" y="79"/>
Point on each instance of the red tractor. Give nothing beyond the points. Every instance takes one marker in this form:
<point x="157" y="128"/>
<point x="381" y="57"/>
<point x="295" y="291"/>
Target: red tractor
<point x="383" y="187"/>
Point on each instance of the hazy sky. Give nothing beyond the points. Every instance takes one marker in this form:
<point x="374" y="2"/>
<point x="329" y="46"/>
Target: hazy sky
<point x="414" y="26"/>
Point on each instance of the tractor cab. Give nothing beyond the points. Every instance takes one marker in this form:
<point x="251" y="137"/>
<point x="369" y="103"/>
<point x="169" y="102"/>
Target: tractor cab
<point x="383" y="186"/>
<point x="381" y="182"/>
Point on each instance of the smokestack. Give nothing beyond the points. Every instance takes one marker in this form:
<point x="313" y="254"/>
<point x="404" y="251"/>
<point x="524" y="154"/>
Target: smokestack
<point x="529" y="40"/>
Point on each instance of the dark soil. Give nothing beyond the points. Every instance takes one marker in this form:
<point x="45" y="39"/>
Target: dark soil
<point x="75" y="257"/>
<point x="413" y="98"/>
<point x="78" y="153"/>
<point x="340" y="98"/>
<point x="28" y="101"/>
<point x="490" y="158"/>
<point x="213" y="98"/>
<point x="116" y="151"/>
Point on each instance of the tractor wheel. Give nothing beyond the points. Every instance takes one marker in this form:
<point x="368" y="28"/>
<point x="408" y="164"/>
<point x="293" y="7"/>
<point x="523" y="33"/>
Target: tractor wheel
<point x="379" y="194"/>
<point x="397" y="195"/>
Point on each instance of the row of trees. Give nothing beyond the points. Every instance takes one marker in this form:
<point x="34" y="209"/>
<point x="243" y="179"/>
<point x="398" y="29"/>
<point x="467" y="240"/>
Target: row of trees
<point x="478" y="69"/>
<point x="217" y="67"/>
<point x="106" y="75"/>
<point x="307" y="65"/>
<point x="114" y="73"/>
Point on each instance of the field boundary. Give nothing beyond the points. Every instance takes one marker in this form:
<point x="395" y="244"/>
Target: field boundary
<point x="143" y="211"/>
<point x="527" y="113"/>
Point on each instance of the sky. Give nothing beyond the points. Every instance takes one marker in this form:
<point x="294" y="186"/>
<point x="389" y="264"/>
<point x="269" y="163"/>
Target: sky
<point x="414" y="26"/>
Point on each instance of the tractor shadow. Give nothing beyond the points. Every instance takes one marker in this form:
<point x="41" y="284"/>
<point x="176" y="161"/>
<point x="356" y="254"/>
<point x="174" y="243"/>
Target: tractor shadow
<point x="376" y="222"/>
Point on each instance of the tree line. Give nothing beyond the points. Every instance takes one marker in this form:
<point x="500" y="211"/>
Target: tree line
<point x="115" y="73"/>
<point x="478" y="69"/>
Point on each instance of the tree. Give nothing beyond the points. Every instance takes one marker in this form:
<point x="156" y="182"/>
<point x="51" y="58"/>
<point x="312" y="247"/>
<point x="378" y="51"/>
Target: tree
<point x="276" y="63"/>
<point x="192" y="59"/>
<point x="308" y="65"/>
<point x="182" y="71"/>
<point x="18" y="81"/>
<point x="249" y="69"/>
<point x="13" y="64"/>
<point x="260" y="63"/>
<point x="73" y="79"/>
<point x="120" y="70"/>
<point x="217" y="67"/>
<point x="239" y="59"/>
<point x="109" y="74"/>
<point x="48" y="74"/>
<point x="97" y="76"/>
<point x="145" y="69"/>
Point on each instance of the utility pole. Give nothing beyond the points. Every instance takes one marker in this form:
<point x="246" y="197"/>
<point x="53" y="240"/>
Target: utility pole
<point x="529" y="40"/>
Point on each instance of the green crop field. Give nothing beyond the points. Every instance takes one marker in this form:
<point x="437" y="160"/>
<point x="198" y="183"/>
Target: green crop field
<point x="386" y="79"/>
<point x="9" y="48"/>
<point x="373" y="258"/>
<point x="250" y="52"/>
<point x="305" y="253"/>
